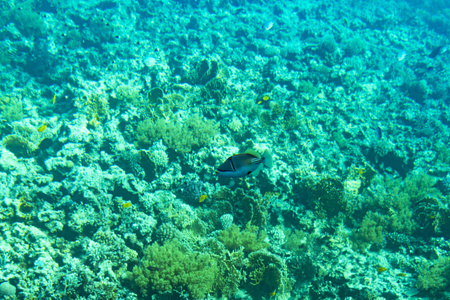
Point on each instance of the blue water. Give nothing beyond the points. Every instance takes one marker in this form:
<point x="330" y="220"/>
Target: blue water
<point x="115" y="116"/>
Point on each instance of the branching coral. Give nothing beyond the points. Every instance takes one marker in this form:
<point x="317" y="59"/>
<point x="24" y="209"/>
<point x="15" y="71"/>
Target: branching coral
<point x="95" y="107"/>
<point x="370" y="232"/>
<point x="249" y="238"/>
<point x="406" y="205"/>
<point x="179" y="135"/>
<point x="327" y="198"/>
<point x="165" y="268"/>
<point x="434" y="276"/>
<point x="11" y="108"/>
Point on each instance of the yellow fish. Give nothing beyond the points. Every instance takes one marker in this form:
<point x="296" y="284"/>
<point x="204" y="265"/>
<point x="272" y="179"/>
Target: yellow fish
<point x="42" y="128"/>
<point x="126" y="205"/>
<point x="54" y="99"/>
<point x="202" y="198"/>
<point x="381" y="269"/>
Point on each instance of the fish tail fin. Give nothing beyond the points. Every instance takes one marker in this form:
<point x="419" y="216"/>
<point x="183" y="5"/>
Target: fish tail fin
<point x="268" y="160"/>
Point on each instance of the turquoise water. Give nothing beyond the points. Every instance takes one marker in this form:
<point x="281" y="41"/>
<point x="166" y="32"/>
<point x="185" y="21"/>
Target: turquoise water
<point x="115" y="116"/>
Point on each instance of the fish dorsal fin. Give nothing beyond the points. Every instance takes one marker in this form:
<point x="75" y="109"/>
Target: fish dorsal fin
<point x="253" y="152"/>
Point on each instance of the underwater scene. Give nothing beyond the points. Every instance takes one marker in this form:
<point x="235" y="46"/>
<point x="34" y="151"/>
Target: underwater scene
<point x="213" y="149"/>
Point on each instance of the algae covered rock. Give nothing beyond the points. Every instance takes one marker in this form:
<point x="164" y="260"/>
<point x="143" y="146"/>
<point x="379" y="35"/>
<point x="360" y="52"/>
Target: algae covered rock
<point x="7" y="289"/>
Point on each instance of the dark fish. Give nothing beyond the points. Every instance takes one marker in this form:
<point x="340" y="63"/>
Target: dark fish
<point x="45" y="144"/>
<point x="378" y="132"/>
<point x="241" y="165"/>
<point x="438" y="50"/>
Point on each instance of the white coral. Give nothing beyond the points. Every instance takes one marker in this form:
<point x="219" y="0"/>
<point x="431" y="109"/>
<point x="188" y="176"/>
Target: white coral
<point x="159" y="157"/>
<point x="226" y="220"/>
<point x="235" y="125"/>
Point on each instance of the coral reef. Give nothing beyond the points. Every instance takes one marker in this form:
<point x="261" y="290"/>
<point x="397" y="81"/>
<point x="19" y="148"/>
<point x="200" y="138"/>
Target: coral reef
<point x="114" y="117"/>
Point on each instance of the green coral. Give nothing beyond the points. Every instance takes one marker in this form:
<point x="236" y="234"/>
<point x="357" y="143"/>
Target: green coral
<point x="370" y="232"/>
<point x="249" y="238"/>
<point x="266" y="119"/>
<point x="287" y="118"/>
<point x="355" y="46"/>
<point x="398" y="199"/>
<point x="434" y="276"/>
<point x="215" y="89"/>
<point x="401" y="219"/>
<point x="155" y="94"/>
<point x="296" y="241"/>
<point x="327" y="198"/>
<point x="307" y="87"/>
<point x="7" y="52"/>
<point x="96" y="108"/>
<point x="11" y="108"/>
<point x="160" y="106"/>
<point x="180" y="135"/>
<point x="128" y="94"/>
<point x="169" y="267"/>
<point x="419" y="186"/>
<point x="249" y="207"/>
<point x="443" y="153"/>
<point x="231" y="265"/>
<point x="328" y="44"/>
